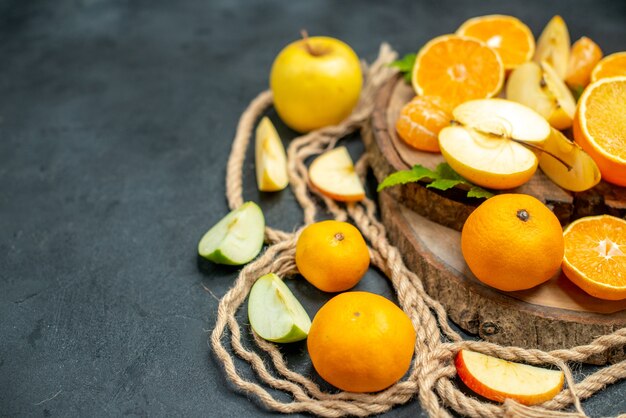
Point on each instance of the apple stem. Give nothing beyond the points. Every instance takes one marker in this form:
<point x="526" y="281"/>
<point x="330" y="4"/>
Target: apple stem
<point x="307" y="44"/>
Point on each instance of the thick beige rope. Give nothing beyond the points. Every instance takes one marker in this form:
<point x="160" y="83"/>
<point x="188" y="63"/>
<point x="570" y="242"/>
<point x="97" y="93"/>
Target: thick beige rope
<point x="432" y="369"/>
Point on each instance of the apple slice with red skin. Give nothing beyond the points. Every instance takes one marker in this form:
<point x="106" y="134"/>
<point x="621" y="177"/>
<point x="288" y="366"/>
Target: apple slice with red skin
<point x="498" y="379"/>
<point x="333" y="175"/>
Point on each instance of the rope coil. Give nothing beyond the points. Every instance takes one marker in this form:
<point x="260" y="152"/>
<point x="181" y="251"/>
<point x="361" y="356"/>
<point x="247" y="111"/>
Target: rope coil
<point x="432" y="369"/>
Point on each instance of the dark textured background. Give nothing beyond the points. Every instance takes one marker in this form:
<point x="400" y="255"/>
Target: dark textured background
<point x="116" y="119"/>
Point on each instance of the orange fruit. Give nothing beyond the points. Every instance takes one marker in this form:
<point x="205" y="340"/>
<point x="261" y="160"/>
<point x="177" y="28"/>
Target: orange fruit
<point x="600" y="126"/>
<point x="595" y="256"/>
<point x="420" y="121"/>
<point x="332" y="255"/>
<point x="583" y="57"/>
<point x="610" y="66"/>
<point x="511" y="38"/>
<point x="512" y="242"/>
<point x="361" y="342"/>
<point x="457" y="69"/>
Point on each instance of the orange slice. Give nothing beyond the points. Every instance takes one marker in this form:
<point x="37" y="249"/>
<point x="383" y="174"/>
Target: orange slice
<point x="457" y="69"/>
<point x="511" y="38"/>
<point x="420" y="121"/>
<point x="583" y="57"/>
<point x="600" y="126"/>
<point x="595" y="256"/>
<point x="610" y="66"/>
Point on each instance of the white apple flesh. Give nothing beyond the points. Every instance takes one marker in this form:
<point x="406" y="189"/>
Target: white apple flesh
<point x="274" y="312"/>
<point x="332" y="173"/>
<point x="270" y="158"/>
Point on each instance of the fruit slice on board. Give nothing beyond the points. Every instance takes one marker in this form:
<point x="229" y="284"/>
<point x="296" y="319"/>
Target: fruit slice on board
<point x="553" y="46"/>
<point x="420" y="122"/>
<point x="584" y="56"/>
<point x="491" y="142"/>
<point x="274" y="312"/>
<point x="457" y="69"/>
<point x="498" y="379"/>
<point x="600" y="126"/>
<point x="610" y="66"/>
<point x="509" y="36"/>
<point x="538" y="87"/>
<point x="582" y="174"/>
<point x="270" y="158"/>
<point x="595" y="256"/>
<point x="332" y="173"/>
<point x="237" y="238"/>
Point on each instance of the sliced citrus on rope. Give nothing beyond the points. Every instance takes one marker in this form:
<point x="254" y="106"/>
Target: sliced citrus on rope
<point x="600" y="126"/>
<point x="595" y="256"/>
<point x="511" y="38"/>
<point x="584" y="56"/>
<point x="457" y="69"/>
<point x="610" y="66"/>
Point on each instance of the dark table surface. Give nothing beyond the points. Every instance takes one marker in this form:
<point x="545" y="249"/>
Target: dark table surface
<point x="116" y="120"/>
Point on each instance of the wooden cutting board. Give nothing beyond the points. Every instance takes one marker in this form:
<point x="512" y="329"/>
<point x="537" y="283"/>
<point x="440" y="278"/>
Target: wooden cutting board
<point x="425" y="225"/>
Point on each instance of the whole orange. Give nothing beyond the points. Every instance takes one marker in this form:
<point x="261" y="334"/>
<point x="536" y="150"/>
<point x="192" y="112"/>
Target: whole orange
<point x="512" y="242"/>
<point x="361" y="342"/>
<point x="332" y="255"/>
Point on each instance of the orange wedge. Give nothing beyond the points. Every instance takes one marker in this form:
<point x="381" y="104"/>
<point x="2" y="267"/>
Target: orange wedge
<point x="600" y="126"/>
<point x="595" y="256"/>
<point x="511" y="38"/>
<point x="610" y="66"/>
<point x="420" y="121"/>
<point x="457" y="69"/>
<point x="583" y="57"/>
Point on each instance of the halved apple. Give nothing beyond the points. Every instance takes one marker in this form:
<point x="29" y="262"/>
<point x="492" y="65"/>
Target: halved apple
<point x="498" y="379"/>
<point x="274" y="312"/>
<point x="332" y="173"/>
<point x="491" y="142"/>
<point x="540" y="88"/>
<point x="271" y="159"/>
<point x="237" y="238"/>
<point x="582" y="173"/>
<point x="553" y="46"/>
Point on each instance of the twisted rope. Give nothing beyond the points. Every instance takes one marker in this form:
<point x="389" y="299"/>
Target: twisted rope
<point x="432" y="369"/>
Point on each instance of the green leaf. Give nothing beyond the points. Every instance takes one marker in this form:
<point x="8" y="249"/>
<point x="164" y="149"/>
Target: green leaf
<point x="405" y="65"/>
<point x="443" y="178"/>
<point x="577" y="92"/>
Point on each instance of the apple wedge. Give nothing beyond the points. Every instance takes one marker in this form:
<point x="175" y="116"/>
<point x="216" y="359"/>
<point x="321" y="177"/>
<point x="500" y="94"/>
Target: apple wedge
<point x="540" y="88"/>
<point x="274" y="312"/>
<point x="582" y="174"/>
<point x="498" y="379"/>
<point x="270" y="158"/>
<point x="491" y="142"/>
<point x="332" y="173"/>
<point x="237" y="238"/>
<point x="553" y="46"/>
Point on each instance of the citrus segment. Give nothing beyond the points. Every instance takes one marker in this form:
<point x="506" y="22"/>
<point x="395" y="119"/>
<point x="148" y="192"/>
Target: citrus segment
<point x="600" y="126"/>
<point x="610" y="66"/>
<point x="584" y="56"/>
<point x="595" y="256"/>
<point x="420" y="121"/>
<point x="457" y="69"/>
<point x="361" y="342"/>
<point x="512" y="242"/>
<point x="511" y="38"/>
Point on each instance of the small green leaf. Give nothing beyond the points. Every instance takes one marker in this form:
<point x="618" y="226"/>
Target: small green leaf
<point x="405" y="65"/>
<point x="443" y="178"/>
<point x="577" y="92"/>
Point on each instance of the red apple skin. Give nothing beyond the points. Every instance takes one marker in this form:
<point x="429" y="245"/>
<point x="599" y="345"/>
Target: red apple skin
<point x="339" y="197"/>
<point x="483" y="390"/>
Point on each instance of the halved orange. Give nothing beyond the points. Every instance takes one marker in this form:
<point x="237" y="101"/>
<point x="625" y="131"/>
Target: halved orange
<point x="610" y="66"/>
<point x="509" y="36"/>
<point x="595" y="256"/>
<point x="457" y="69"/>
<point x="584" y="56"/>
<point x="600" y="126"/>
<point x="420" y="121"/>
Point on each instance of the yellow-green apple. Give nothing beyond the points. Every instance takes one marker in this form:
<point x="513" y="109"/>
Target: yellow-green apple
<point x="270" y="158"/>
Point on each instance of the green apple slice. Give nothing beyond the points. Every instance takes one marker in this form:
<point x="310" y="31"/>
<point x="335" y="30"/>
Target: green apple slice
<point x="583" y="172"/>
<point x="237" y="238"/>
<point x="274" y="312"/>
